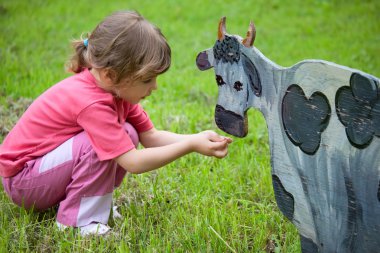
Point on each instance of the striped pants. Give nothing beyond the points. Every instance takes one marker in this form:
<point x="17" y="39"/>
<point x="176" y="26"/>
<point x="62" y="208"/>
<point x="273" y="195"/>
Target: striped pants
<point x="73" y="177"/>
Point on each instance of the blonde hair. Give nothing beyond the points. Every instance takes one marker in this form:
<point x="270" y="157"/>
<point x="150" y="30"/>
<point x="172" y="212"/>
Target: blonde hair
<point x="126" y="44"/>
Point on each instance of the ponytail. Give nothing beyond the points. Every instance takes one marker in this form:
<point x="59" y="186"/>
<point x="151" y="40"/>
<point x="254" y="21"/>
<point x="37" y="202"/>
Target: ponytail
<point x="78" y="60"/>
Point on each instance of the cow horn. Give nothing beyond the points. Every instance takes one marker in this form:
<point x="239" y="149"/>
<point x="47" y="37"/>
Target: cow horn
<point x="251" y="35"/>
<point x="222" y="29"/>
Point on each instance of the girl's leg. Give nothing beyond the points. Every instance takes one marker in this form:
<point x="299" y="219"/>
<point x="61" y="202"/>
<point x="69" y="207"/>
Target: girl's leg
<point x="72" y="176"/>
<point x="89" y="198"/>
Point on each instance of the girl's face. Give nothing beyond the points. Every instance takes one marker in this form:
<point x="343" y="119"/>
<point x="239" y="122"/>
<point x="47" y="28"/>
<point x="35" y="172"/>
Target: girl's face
<point x="133" y="91"/>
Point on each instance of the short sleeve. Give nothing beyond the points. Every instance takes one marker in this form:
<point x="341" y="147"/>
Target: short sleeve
<point x="137" y="117"/>
<point x="106" y="133"/>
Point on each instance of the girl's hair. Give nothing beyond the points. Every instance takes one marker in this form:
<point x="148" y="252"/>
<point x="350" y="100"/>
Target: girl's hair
<point x="126" y="44"/>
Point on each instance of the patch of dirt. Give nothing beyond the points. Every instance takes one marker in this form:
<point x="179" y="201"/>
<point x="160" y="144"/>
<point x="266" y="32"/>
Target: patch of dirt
<point x="272" y="245"/>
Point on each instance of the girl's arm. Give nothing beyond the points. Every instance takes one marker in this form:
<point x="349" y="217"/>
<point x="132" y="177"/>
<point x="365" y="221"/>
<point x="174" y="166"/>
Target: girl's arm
<point x="158" y="138"/>
<point x="175" y="146"/>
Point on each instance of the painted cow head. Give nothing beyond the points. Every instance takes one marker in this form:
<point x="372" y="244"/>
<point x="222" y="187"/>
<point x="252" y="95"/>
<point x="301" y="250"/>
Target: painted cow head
<point x="236" y="76"/>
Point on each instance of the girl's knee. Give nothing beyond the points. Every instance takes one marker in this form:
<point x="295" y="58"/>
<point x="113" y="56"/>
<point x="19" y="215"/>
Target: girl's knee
<point x="132" y="133"/>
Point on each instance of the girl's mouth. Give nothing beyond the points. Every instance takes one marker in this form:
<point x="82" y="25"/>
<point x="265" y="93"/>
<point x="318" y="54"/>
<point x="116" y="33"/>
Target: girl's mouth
<point x="145" y="96"/>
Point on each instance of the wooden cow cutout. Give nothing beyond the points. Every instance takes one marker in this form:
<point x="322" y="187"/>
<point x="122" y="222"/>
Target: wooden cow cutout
<point x="324" y="131"/>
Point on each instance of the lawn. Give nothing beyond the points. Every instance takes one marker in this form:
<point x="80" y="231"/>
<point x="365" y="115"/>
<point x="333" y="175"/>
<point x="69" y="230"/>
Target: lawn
<point x="195" y="204"/>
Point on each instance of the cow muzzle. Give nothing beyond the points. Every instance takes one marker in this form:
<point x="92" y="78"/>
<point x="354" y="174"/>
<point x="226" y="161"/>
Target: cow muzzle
<point x="231" y="122"/>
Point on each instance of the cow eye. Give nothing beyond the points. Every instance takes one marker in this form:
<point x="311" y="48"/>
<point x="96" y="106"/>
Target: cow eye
<point x="219" y="80"/>
<point x="238" y="86"/>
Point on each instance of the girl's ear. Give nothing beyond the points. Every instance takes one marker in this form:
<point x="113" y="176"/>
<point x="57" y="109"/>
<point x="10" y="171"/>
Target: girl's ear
<point x="109" y="76"/>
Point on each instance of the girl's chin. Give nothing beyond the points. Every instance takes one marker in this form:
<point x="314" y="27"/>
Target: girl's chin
<point x="135" y="101"/>
<point x="132" y="102"/>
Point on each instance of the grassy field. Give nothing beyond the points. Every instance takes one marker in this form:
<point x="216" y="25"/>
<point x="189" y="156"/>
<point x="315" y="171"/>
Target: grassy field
<point x="195" y="204"/>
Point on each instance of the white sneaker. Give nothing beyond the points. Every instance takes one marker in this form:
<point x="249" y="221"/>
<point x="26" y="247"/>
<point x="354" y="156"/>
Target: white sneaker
<point x="90" y="229"/>
<point x="115" y="213"/>
<point x="94" y="229"/>
<point x="60" y="226"/>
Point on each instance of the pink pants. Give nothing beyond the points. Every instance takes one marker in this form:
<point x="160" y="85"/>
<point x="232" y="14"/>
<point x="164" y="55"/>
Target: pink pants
<point x="73" y="177"/>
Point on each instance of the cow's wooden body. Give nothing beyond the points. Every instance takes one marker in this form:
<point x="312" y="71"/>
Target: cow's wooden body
<point x="324" y="132"/>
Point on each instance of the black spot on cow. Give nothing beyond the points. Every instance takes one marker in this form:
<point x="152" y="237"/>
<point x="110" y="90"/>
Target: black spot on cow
<point x="378" y="192"/>
<point x="227" y="50"/>
<point x="284" y="199"/>
<point x="354" y="216"/>
<point x="305" y="119"/>
<point x="358" y="109"/>
<point x="307" y="245"/>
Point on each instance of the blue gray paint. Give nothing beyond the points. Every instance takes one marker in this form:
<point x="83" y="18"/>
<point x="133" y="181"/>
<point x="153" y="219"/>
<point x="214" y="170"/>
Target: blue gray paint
<point x="323" y="122"/>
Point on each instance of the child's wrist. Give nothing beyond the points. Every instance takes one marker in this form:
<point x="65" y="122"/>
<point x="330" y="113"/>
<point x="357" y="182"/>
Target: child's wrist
<point x="192" y="143"/>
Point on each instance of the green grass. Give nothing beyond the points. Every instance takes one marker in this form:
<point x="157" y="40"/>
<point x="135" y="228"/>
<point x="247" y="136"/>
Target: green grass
<point x="196" y="204"/>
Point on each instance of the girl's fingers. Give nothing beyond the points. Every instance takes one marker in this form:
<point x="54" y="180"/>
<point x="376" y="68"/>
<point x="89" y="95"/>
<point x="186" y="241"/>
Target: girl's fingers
<point x="220" y="149"/>
<point x="229" y="140"/>
<point x="221" y="153"/>
<point x="219" y="145"/>
<point x="216" y="138"/>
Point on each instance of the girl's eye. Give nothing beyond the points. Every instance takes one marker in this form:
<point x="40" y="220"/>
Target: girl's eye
<point x="147" y="81"/>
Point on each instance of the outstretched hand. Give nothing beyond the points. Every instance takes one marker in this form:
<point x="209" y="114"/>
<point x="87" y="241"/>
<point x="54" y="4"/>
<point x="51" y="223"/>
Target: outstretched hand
<point x="164" y="147"/>
<point x="210" y="143"/>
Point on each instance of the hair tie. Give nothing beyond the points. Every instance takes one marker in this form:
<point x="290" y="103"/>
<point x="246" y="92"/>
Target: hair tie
<point x="85" y="43"/>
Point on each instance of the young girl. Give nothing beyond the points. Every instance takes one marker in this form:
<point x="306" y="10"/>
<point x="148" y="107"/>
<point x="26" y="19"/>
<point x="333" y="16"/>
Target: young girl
<point x="77" y="140"/>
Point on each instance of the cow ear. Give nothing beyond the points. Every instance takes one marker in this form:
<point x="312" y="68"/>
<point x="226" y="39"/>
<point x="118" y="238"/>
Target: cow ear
<point x="253" y="75"/>
<point x="202" y="61"/>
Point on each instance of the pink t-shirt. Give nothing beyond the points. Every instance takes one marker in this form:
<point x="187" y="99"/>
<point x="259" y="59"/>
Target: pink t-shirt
<point x="67" y="108"/>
